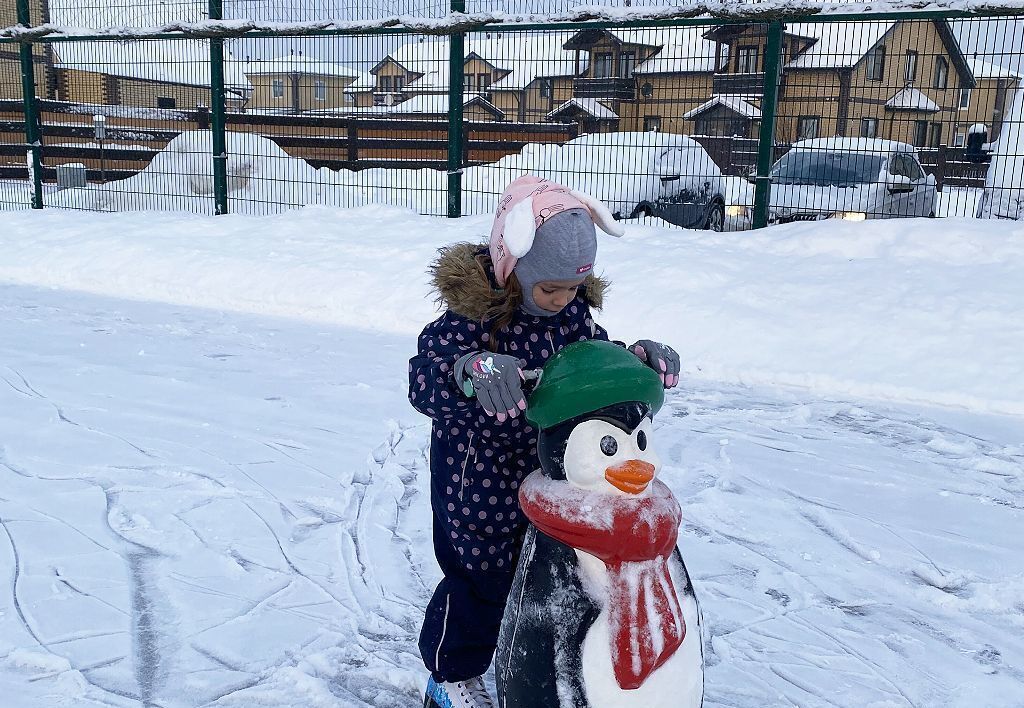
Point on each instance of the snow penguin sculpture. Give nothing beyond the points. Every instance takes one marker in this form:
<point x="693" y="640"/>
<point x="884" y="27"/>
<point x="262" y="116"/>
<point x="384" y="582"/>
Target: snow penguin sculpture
<point x="602" y="613"/>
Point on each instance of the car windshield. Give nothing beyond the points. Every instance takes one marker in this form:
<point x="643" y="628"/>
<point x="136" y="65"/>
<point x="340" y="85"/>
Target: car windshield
<point x="827" y="169"/>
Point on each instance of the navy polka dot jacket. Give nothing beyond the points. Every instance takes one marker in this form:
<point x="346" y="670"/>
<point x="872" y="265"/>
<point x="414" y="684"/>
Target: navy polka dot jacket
<point x="477" y="463"/>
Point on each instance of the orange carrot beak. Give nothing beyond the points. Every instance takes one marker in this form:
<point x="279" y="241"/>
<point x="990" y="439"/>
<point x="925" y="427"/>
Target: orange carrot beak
<point x="631" y="476"/>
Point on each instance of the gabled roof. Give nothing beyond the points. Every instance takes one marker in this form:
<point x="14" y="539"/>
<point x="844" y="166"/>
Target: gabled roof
<point x="584" y="39"/>
<point x="839" y="45"/>
<point x="526" y="57"/>
<point x="733" y="103"/>
<point x="590" y="106"/>
<point x="910" y="99"/>
<point x="434" y="104"/>
<point x="683" y="50"/>
<point x="987" y="70"/>
<point x="843" y="45"/>
<point x="185" y="62"/>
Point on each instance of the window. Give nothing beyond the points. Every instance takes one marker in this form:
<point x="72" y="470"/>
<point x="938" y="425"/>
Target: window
<point x="469" y="82"/>
<point x="920" y="133"/>
<point x="746" y="60"/>
<point x="320" y="90"/>
<point x="898" y="168"/>
<point x="483" y="81"/>
<point x="876" y="64"/>
<point x="652" y="124"/>
<point x="911" y="168"/>
<point x="869" y="128"/>
<point x="959" y="140"/>
<point x="965" y="99"/>
<point x="627" y="62"/>
<point x="603" y="65"/>
<point x="166" y="102"/>
<point x="277" y="86"/>
<point x="807" y="127"/>
<point x="910" y="71"/>
<point x="941" y="73"/>
<point x="545" y="88"/>
<point x="385" y="83"/>
<point x="398" y="82"/>
<point x="935" y="135"/>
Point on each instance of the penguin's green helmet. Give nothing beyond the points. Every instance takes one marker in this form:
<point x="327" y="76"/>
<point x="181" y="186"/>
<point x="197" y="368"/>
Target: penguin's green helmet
<point x="587" y="376"/>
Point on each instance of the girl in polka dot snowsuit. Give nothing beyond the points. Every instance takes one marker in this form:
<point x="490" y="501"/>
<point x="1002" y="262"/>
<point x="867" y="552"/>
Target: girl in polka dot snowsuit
<point x="476" y="462"/>
<point x="511" y="305"/>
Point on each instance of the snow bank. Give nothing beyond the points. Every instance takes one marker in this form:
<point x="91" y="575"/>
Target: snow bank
<point x="908" y="310"/>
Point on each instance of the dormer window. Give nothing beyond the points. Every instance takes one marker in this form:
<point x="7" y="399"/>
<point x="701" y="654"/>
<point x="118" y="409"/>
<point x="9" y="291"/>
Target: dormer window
<point x="603" y="65"/>
<point x="627" y="62"/>
<point x="941" y="73"/>
<point x="746" y="60"/>
<point x="910" y="73"/>
<point x="876" y="64"/>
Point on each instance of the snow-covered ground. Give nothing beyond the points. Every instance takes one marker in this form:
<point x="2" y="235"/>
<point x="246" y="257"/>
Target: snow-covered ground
<point x="214" y="490"/>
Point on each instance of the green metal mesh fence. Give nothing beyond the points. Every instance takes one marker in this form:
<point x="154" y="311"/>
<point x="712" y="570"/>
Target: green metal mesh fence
<point x="876" y="116"/>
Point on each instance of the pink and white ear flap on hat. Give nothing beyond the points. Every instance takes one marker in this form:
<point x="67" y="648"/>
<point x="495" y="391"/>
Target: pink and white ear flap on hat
<point x="600" y="214"/>
<point x="520" y="228"/>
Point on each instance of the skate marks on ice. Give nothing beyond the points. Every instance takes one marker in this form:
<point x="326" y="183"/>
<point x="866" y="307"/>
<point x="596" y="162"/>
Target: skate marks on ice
<point x="850" y="554"/>
<point x="181" y="533"/>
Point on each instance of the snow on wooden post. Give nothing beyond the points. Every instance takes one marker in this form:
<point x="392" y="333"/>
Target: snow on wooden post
<point x="220" y="151"/>
<point x="456" y="77"/>
<point x="766" y="138"/>
<point x="33" y="131"/>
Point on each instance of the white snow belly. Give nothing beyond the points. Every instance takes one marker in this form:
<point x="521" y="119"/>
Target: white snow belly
<point x="678" y="683"/>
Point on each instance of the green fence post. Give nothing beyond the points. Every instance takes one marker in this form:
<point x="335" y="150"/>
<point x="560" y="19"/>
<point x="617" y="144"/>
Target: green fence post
<point x="766" y="138"/>
<point x="33" y="133"/>
<point x="456" y="72"/>
<point x="220" y="149"/>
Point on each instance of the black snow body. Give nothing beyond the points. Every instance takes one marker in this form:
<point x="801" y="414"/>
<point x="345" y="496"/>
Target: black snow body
<point x="546" y="620"/>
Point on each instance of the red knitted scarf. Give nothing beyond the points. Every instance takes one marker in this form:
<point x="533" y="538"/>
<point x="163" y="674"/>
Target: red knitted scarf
<point x="635" y="537"/>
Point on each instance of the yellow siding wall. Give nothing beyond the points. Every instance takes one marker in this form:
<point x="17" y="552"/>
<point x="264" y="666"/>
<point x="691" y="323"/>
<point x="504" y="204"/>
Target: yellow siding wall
<point x="263" y="92"/>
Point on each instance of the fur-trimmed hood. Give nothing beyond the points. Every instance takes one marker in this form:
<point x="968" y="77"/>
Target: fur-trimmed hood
<point x="463" y="279"/>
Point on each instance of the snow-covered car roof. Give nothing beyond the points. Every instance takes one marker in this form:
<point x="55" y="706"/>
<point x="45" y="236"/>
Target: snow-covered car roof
<point x="837" y="144"/>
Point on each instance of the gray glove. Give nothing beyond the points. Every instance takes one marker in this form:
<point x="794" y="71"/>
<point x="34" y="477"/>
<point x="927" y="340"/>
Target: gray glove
<point x="660" y="357"/>
<point x="495" y="380"/>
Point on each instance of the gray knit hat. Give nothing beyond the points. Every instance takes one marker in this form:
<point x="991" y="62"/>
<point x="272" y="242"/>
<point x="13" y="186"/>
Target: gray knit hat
<point x="565" y="248"/>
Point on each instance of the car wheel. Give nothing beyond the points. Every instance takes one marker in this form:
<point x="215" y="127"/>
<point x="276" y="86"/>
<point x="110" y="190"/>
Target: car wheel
<point x="716" y="218"/>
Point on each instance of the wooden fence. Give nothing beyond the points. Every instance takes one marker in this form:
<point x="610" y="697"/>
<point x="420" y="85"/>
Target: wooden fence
<point x="135" y="136"/>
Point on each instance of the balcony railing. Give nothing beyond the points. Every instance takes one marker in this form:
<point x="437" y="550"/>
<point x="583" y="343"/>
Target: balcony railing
<point x="609" y="88"/>
<point x="738" y="84"/>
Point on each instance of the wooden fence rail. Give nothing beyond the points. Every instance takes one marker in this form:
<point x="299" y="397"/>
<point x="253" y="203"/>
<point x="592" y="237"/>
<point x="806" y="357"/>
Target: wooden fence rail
<point x="135" y="136"/>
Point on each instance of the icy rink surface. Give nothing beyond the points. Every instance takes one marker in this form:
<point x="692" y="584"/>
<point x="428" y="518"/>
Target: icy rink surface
<point x="202" y="508"/>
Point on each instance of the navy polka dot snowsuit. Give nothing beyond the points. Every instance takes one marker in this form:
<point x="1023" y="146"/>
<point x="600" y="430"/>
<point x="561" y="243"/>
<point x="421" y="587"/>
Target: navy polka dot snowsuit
<point x="476" y="465"/>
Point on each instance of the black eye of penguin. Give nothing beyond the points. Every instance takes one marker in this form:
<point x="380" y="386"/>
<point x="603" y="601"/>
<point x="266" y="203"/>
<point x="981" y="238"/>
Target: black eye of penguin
<point x="641" y="440"/>
<point x="609" y="445"/>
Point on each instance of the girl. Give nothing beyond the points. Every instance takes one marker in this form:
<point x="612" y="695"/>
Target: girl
<point x="510" y="306"/>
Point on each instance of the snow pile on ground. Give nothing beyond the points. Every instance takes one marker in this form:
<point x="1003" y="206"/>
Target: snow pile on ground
<point x="907" y="310"/>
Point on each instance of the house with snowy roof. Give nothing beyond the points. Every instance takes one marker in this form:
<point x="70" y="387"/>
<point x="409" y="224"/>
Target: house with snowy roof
<point x="904" y="80"/>
<point x="901" y="80"/>
<point x="507" y="76"/>
<point x="297" y="83"/>
<point x="144" y="74"/>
